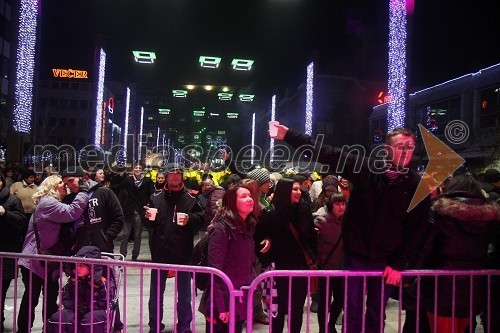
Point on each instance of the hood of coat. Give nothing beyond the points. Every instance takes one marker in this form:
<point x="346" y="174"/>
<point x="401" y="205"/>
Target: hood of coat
<point x="468" y="211"/>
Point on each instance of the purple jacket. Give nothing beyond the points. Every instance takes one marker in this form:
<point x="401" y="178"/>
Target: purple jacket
<point x="50" y="213"/>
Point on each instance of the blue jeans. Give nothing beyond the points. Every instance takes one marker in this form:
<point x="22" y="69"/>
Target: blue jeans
<point x="355" y="298"/>
<point x="156" y="292"/>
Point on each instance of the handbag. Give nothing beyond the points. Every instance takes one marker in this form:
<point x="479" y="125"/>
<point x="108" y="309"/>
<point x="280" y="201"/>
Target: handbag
<point x="313" y="288"/>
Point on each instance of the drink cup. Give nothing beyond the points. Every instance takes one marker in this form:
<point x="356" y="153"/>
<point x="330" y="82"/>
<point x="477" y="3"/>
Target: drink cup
<point x="181" y="216"/>
<point x="273" y="130"/>
<point x="152" y="213"/>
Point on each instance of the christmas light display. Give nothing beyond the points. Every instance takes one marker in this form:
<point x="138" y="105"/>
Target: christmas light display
<point x="397" y="64"/>
<point x="127" y="110"/>
<point x="253" y="137"/>
<point x="100" y="93"/>
<point x="273" y="115"/>
<point x="309" y="98"/>
<point x="140" y="133"/>
<point x="25" y="66"/>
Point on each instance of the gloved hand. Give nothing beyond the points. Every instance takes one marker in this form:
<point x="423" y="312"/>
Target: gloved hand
<point x="83" y="186"/>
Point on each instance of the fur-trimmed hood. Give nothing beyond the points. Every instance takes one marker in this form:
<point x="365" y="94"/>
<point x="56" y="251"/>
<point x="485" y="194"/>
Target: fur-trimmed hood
<point x="468" y="211"/>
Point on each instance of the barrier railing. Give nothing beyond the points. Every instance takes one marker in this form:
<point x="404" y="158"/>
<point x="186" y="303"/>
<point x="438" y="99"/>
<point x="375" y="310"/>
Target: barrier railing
<point x="134" y="290"/>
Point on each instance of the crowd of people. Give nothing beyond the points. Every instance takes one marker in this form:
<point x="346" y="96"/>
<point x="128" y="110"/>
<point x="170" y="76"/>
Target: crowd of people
<point x="356" y="220"/>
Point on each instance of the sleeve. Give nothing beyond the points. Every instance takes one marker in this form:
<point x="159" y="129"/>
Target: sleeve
<point x="196" y="217"/>
<point x="116" y="216"/>
<point x="14" y="215"/>
<point x="62" y="213"/>
<point x="217" y="250"/>
<point x="68" y="296"/>
<point x="432" y="233"/>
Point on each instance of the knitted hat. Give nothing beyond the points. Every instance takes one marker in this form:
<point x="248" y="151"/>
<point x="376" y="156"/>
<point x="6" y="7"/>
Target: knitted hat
<point x="261" y="176"/>
<point x="171" y="167"/>
<point x="330" y="184"/>
<point x="492" y="176"/>
<point x="75" y="171"/>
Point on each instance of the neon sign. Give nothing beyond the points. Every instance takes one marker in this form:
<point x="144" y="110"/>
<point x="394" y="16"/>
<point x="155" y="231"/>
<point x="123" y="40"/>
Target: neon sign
<point x="70" y="73"/>
<point x="144" y="57"/>
<point x="209" y="62"/>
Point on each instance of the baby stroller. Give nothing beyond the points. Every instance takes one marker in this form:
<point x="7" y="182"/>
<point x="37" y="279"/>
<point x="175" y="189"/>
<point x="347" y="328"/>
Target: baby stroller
<point x="90" y="297"/>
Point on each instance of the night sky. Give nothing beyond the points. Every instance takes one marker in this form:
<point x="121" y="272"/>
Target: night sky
<point x="447" y="39"/>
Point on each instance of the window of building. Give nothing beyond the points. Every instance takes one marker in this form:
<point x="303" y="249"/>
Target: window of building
<point x="42" y="102"/>
<point x="84" y="104"/>
<point x="75" y="86"/>
<point x="63" y="103"/>
<point x="44" y="84"/>
<point x="6" y="49"/>
<point x="85" y="86"/>
<point x="489" y="109"/>
<point x="437" y="115"/>
<point x="64" y="85"/>
<point x="5" y="86"/>
<point x="53" y="103"/>
<point x="73" y="104"/>
<point x="378" y="130"/>
<point x="8" y="11"/>
<point x="81" y="142"/>
<point x="54" y="85"/>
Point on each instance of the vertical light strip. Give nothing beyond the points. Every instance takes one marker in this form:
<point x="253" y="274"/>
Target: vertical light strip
<point x="140" y="134"/>
<point x="25" y="66"/>
<point x="273" y="118"/>
<point x="253" y="136"/>
<point x="127" y="110"/>
<point x="158" y="137"/>
<point x="100" y="94"/>
<point x="397" y="64"/>
<point x="309" y="98"/>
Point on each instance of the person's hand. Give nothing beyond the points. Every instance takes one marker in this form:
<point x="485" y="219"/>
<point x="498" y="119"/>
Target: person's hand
<point x="224" y="317"/>
<point x="392" y="276"/>
<point x="107" y="184"/>
<point x="282" y="129"/>
<point x="2" y="210"/>
<point x="182" y="220"/>
<point x="83" y="185"/>
<point x="267" y="245"/>
<point x="224" y="154"/>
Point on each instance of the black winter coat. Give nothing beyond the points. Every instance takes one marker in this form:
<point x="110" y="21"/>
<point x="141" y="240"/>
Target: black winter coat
<point x="137" y="197"/>
<point x="461" y="229"/>
<point x="13" y="227"/>
<point x="172" y="243"/>
<point x="376" y="224"/>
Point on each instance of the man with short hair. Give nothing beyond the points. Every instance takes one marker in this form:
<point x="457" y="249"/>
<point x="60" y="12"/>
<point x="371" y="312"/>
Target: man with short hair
<point x="24" y="190"/>
<point x="172" y="243"/>
<point x="378" y="232"/>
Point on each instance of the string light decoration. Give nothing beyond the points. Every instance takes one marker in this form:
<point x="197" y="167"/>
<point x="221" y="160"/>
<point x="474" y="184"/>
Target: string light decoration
<point x="127" y="110"/>
<point x="273" y="118"/>
<point x="253" y="137"/>
<point x="100" y="94"/>
<point x="309" y="98"/>
<point x="140" y="133"/>
<point x="25" y="66"/>
<point x="397" y="64"/>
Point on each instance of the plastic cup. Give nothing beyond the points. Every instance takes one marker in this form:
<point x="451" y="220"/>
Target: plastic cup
<point x="181" y="216"/>
<point x="273" y="130"/>
<point x="152" y="213"/>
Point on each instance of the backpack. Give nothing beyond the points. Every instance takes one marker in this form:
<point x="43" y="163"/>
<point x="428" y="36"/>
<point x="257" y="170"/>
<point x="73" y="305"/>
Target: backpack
<point x="200" y="257"/>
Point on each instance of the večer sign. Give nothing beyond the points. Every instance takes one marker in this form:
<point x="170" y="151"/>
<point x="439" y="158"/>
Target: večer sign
<point x="70" y="73"/>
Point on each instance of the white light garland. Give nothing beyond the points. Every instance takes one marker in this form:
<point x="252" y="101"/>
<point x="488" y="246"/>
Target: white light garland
<point x="127" y="110"/>
<point x="397" y="64"/>
<point x="309" y="98"/>
<point x="100" y="94"/>
<point x="253" y="137"/>
<point x="273" y="118"/>
<point x="25" y="66"/>
<point x="140" y="134"/>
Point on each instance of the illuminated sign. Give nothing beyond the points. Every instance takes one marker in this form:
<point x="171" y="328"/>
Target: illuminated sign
<point x="103" y="131"/>
<point x="164" y="111"/>
<point x="179" y="93"/>
<point x="246" y="98"/>
<point x="242" y="64"/>
<point x="225" y="96"/>
<point x="214" y="114"/>
<point x="198" y="113"/>
<point x="144" y="57"/>
<point x="70" y="73"/>
<point x="209" y="62"/>
<point x="232" y="115"/>
<point x="111" y="105"/>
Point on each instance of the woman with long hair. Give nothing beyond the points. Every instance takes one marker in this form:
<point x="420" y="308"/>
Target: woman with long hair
<point x="230" y="249"/>
<point x="43" y="234"/>
<point x="284" y="218"/>
<point x="462" y="223"/>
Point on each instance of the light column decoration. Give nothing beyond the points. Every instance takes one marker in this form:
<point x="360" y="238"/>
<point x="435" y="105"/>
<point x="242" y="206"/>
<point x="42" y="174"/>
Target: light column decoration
<point x="25" y="66"/>
<point x="140" y="134"/>
<point x="127" y="110"/>
<point x="253" y="137"/>
<point x="273" y="118"/>
<point x="100" y="94"/>
<point x="397" y="64"/>
<point x="309" y="98"/>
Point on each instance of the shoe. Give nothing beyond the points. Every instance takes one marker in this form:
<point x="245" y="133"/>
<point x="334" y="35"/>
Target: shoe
<point x="153" y="330"/>
<point x="263" y="319"/>
<point x="134" y="258"/>
<point x="314" y="306"/>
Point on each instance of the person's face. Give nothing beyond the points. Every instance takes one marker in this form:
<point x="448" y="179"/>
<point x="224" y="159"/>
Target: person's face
<point x="206" y="186"/>
<point x="244" y="202"/>
<point x="401" y="150"/>
<point x="137" y="171"/>
<point x="99" y="175"/>
<point x="306" y="185"/>
<point x="296" y="193"/>
<point x="38" y="177"/>
<point x="72" y="183"/>
<point x="174" y="179"/>
<point x="1" y="184"/>
<point x="160" y="178"/>
<point x="264" y="188"/>
<point x="29" y="180"/>
<point x="82" y="270"/>
<point x="338" y="209"/>
<point x="62" y="189"/>
<point x="9" y="173"/>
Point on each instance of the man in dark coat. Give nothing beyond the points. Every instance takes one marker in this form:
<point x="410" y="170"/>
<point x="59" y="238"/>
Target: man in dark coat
<point x="378" y="232"/>
<point x="13" y="227"/>
<point x="139" y="189"/>
<point x="172" y="243"/>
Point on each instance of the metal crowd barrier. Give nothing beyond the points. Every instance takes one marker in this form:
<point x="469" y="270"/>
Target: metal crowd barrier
<point x="134" y="285"/>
